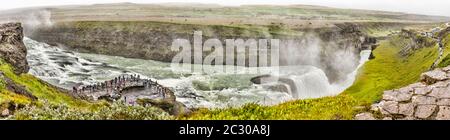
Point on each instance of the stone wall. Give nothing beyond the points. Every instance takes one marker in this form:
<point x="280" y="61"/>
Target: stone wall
<point x="428" y="99"/>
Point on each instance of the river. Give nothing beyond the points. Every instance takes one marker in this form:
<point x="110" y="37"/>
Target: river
<point x="65" y="69"/>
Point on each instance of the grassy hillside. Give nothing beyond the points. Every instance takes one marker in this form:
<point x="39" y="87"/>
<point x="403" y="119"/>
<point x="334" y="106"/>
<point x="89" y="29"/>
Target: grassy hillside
<point x="36" y="87"/>
<point x="388" y="70"/>
<point x="53" y="104"/>
<point x="446" y="55"/>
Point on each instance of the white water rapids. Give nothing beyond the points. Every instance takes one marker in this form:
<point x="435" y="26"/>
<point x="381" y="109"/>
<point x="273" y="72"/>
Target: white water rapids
<point x="65" y="69"/>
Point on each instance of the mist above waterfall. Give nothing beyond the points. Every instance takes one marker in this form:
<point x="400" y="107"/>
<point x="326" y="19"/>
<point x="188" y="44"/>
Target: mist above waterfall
<point x="336" y="61"/>
<point x="31" y="19"/>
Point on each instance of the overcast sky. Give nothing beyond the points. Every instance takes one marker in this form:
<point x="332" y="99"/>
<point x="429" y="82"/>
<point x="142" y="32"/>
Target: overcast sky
<point x="429" y="7"/>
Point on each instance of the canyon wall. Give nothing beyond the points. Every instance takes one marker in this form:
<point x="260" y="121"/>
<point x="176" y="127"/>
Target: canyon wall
<point x="152" y="40"/>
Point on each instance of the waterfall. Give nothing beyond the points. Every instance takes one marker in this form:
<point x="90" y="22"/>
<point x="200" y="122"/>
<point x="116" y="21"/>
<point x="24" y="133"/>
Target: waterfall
<point x="315" y="84"/>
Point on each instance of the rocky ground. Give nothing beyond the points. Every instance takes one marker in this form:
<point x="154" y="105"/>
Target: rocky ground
<point x="428" y="99"/>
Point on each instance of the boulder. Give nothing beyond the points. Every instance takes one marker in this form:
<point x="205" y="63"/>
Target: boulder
<point x="424" y="100"/>
<point x="424" y="111"/>
<point x="389" y="107"/>
<point x="364" y="116"/>
<point x="262" y="79"/>
<point x="444" y="113"/>
<point x="12" y="48"/>
<point x="398" y="95"/>
<point x="406" y="109"/>
<point x="422" y="90"/>
<point x="434" y="76"/>
<point x="440" y="84"/>
<point x="440" y="92"/>
<point x="446" y="69"/>
<point x="280" y="88"/>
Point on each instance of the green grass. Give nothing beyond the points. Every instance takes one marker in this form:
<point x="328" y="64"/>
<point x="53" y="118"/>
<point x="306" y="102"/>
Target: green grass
<point x="36" y="87"/>
<point x="387" y="71"/>
<point x="339" y="107"/>
<point x="446" y="55"/>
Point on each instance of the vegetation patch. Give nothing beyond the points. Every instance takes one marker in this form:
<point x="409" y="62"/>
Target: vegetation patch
<point x="115" y="111"/>
<point x="446" y="55"/>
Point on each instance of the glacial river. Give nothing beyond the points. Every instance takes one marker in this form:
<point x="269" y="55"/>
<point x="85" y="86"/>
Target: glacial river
<point x="65" y="69"/>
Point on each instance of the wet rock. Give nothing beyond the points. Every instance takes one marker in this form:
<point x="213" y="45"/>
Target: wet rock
<point x="444" y="113"/>
<point x="12" y="49"/>
<point x="432" y="77"/>
<point x="399" y="96"/>
<point x="281" y="84"/>
<point x="364" y="116"/>
<point x="406" y="109"/>
<point x="424" y="111"/>
<point x="262" y="79"/>
<point x="389" y="107"/>
<point x="280" y="88"/>
<point x="424" y="100"/>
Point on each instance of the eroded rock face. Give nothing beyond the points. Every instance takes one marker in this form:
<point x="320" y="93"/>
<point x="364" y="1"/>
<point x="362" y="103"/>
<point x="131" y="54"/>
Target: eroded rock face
<point x="426" y="100"/>
<point x="12" y="49"/>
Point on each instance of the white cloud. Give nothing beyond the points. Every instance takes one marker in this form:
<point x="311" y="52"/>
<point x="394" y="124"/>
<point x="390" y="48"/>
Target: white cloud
<point x="430" y="7"/>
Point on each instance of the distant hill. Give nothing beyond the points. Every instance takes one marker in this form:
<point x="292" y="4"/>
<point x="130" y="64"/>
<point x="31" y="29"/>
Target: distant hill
<point x="196" y="13"/>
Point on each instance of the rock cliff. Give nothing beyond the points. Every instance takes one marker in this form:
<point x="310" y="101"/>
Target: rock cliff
<point x="12" y="49"/>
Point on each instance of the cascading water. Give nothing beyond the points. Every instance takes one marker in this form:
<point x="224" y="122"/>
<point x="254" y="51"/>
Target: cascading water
<point x="65" y="69"/>
<point x="312" y="82"/>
